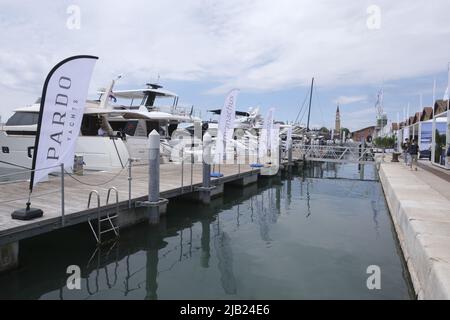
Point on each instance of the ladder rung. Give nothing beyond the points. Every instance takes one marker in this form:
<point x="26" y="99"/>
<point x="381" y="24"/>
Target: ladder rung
<point x="112" y="229"/>
<point x="108" y="218"/>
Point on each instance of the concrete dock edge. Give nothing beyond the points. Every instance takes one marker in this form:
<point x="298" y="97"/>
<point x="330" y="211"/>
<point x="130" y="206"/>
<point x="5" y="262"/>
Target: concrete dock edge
<point x="421" y="218"/>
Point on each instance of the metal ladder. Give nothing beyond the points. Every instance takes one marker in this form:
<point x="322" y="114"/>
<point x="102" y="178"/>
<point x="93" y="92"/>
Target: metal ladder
<point x="110" y="219"/>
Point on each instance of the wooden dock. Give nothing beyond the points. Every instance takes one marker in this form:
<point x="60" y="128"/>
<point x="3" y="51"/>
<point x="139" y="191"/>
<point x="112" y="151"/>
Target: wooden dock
<point x="174" y="181"/>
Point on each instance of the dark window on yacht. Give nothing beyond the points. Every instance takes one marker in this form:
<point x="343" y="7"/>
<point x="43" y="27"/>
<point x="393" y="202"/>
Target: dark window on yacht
<point x="153" y="125"/>
<point x="20" y="133"/>
<point x="172" y="128"/>
<point x="23" y="119"/>
<point x="5" y="149"/>
<point x="90" y="125"/>
<point x="130" y="128"/>
<point x="127" y="127"/>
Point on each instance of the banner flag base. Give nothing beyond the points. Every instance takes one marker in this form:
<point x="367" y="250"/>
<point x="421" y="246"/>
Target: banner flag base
<point x="216" y="175"/>
<point x="27" y="213"/>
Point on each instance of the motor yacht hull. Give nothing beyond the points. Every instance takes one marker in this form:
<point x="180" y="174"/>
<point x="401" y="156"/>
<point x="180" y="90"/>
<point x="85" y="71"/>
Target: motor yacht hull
<point x="99" y="153"/>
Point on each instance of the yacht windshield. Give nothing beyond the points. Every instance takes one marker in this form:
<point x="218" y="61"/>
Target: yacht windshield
<point x="23" y="119"/>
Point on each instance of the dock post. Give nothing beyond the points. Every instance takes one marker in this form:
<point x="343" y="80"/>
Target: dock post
<point x="153" y="166"/>
<point x="155" y="204"/>
<point x="280" y="157"/>
<point x="205" y="189"/>
<point x="290" y="162"/>
<point x="153" y="174"/>
<point x="192" y="171"/>
<point x="289" y="145"/>
<point x="206" y="160"/>
<point x="130" y="164"/>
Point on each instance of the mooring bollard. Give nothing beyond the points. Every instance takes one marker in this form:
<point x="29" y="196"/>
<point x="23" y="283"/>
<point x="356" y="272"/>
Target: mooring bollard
<point x="395" y="156"/>
<point x="206" y="188"/>
<point x="154" y="202"/>
<point x="153" y="174"/>
<point x="153" y="166"/>
<point x="289" y="146"/>
<point x="206" y="160"/>
<point x="280" y="152"/>
<point x="290" y="163"/>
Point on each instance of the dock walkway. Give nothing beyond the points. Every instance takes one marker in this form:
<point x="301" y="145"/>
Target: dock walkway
<point x="419" y="202"/>
<point x="174" y="181"/>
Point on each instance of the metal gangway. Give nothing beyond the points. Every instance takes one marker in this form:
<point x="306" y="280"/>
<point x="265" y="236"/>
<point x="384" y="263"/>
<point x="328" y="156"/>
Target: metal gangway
<point x="334" y="153"/>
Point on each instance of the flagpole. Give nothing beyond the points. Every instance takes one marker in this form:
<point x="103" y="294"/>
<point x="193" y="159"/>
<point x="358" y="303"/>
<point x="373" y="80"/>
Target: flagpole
<point x="407" y="117"/>
<point x="433" y="128"/>
<point x="398" y="132"/>
<point x="404" y="113"/>
<point x="448" y="87"/>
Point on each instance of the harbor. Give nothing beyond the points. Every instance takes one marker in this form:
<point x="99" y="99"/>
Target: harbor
<point x="231" y="247"/>
<point x="228" y="156"/>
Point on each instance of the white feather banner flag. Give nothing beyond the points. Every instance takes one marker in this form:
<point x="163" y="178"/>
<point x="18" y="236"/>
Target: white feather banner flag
<point x="226" y="124"/>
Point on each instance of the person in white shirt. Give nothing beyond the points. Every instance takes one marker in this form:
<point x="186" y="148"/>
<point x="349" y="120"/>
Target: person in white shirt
<point x="101" y="132"/>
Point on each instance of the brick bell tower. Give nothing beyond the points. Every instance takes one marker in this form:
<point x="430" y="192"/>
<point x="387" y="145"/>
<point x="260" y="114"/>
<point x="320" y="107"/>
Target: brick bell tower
<point x="337" y="129"/>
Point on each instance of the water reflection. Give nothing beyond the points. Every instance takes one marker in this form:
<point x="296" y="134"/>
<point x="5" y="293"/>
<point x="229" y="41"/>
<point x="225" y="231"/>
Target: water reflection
<point x="222" y="245"/>
<point x="308" y="234"/>
<point x="205" y="239"/>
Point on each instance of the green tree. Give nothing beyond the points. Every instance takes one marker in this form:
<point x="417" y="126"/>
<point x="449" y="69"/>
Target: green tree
<point x="347" y="132"/>
<point x="385" y="142"/>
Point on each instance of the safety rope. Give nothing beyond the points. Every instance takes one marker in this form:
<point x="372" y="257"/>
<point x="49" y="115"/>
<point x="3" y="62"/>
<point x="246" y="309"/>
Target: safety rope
<point x="96" y="185"/>
<point x="14" y="165"/>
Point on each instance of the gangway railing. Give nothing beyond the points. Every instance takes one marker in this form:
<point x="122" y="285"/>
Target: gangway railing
<point x="332" y="153"/>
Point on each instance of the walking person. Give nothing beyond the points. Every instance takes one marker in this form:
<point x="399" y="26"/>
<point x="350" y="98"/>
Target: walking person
<point x="414" y="152"/>
<point x="448" y="154"/>
<point x="405" y="147"/>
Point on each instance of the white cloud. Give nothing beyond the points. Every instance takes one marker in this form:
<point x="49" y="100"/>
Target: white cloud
<point x="354" y="120"/>
<point x="342" y="100"/>
<point x="256" y="45"/>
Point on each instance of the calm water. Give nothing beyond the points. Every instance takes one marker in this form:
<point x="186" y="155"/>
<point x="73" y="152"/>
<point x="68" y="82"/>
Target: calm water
<point x="311" y="236"/>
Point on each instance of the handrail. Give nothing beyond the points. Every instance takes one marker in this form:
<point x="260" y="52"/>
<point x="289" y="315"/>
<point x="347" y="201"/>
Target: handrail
<point x="90" y="196"/>
<point x="98" y="238"/>
<point x="109" y="193"/>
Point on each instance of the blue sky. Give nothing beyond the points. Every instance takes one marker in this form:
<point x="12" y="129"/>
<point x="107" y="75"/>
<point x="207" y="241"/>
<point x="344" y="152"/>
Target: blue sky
<point x="269" y="50"/>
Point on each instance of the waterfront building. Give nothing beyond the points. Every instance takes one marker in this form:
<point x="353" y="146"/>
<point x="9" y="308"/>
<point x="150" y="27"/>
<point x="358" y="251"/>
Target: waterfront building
<point x="363" y="134"/>
<point x="440" y="135"/>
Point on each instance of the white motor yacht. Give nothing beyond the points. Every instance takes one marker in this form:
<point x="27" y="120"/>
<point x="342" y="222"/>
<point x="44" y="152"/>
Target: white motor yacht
<point x="144" y="113"/>
<point x="99" y="152"/>
<point x="109" y="135"/>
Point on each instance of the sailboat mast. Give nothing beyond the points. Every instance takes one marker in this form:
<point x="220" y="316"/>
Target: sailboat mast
<point x="310" y="102"/>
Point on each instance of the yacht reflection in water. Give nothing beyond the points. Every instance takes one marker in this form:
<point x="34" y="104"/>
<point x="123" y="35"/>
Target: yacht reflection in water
<point x="222" y="245"/>
<point x="224" y="250"/>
